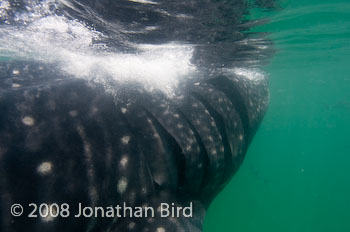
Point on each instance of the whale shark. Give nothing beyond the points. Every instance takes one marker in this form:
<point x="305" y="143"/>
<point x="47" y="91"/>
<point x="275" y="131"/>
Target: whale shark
<point x="125" y="115"/>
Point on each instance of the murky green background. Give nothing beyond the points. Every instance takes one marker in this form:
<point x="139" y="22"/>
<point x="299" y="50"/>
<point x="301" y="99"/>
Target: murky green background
<point x="296" y="175"/>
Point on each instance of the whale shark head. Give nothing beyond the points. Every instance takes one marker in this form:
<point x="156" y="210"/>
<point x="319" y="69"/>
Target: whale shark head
<point x="124" y="115"/>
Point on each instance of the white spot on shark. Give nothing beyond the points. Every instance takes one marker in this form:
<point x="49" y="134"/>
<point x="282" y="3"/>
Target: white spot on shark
<point x="49" y="213"/>
<point x="131" y="225"/>
<point x="45" y="168"/>
<point x="160" y="229"/>
<point x="124" y="110"/>
<point x="124" y="161"/>
<point x="28" y="121"/>
<point x="144" y="2"/>
<point x="16" y="72"/>
<point x="122" y="185"/>
<point x="125" y="139"/>
<point x="73" y="113"/>
<point x="16" y="85"/>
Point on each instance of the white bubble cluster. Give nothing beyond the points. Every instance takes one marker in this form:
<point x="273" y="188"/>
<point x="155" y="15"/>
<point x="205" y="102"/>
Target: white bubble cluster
<point x="70" y="45"/>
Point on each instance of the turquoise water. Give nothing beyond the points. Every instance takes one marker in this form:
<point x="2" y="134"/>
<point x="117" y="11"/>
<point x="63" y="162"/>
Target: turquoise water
<point x="296" y="174"/>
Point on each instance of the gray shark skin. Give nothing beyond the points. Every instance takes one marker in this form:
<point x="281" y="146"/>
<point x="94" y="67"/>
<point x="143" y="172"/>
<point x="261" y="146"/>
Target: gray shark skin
<point x="69" y="140"/>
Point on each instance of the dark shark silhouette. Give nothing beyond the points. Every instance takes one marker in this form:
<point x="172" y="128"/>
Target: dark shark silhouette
<point x="68" y="140"/>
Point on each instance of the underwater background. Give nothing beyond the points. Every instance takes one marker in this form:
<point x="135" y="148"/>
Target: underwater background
<point x="295" y="176"/>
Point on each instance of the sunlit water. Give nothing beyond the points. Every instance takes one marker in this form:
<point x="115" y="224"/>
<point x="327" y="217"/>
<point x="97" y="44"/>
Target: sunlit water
<point x="82" y="43"/>
<point x="295" y="177"/>
<point x="42" y="33"/>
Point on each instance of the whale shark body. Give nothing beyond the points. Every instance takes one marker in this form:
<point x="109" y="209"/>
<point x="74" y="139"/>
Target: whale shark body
<point x="138" y="104"/>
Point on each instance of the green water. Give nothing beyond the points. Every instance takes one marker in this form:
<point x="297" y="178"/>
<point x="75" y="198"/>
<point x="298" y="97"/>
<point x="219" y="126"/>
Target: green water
<point x="296" y="175"/>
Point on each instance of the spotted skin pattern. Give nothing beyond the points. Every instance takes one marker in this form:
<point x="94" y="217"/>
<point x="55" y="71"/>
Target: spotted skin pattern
<point x="69" y="140"/>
